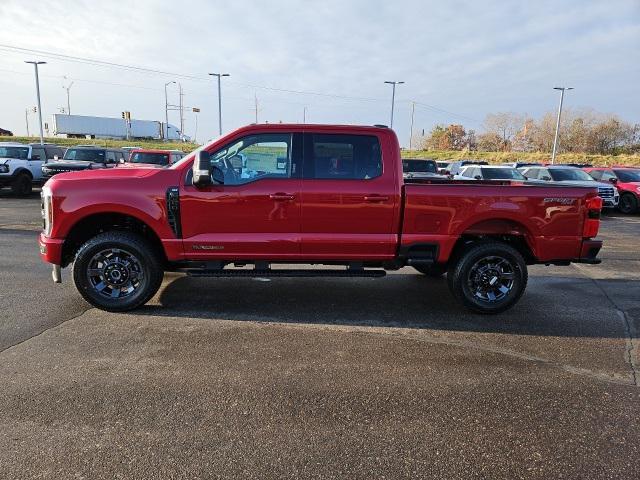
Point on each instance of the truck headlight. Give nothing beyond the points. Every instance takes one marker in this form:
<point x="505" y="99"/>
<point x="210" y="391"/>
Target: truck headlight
<point x="47" y="210"/>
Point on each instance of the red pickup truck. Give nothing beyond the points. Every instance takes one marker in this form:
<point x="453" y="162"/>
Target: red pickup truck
<point x="278" y="197"/>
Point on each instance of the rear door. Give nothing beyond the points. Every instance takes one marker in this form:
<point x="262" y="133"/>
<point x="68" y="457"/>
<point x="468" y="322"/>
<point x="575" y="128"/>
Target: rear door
<point x="350" y="197"/>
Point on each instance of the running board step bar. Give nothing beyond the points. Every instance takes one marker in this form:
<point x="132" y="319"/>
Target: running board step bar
<point x="286" y="273"/>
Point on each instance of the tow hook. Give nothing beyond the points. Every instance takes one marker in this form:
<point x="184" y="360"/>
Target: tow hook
<point x="56" y="274"/>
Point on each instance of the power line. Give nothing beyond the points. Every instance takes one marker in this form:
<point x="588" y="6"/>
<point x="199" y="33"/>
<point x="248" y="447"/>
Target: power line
<point x="148" y="70"/>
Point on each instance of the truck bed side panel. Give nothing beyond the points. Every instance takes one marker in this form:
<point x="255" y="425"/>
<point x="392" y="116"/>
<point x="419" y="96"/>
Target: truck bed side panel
<point x="549" y="218"/>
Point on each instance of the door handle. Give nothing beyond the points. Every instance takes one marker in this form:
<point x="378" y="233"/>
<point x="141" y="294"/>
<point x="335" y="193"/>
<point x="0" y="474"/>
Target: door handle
<point x="281" y="197"/>
<point x="375" y="198"/>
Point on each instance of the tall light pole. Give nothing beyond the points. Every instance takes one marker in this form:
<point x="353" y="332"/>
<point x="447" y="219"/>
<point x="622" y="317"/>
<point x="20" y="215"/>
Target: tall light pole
<point x="555" y="138"/>
<point x="393" y="98"/>
<point x="67" y="88"/>
<point x="35" y="64"/>
<point x="413" y="112"/>
<point x="166" y="111"/>
<point x="219" y="75"/>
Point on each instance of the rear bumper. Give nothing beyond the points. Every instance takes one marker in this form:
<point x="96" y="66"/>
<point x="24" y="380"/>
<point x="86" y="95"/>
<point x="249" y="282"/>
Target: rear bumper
<point x="50" y="249"/>
<point x="589" y="252"/>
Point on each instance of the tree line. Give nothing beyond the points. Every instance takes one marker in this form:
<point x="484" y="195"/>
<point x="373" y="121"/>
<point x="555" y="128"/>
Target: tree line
<point x="581" y="131"/>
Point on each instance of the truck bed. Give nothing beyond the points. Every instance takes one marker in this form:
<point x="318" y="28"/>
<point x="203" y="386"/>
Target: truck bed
<point x="549" y="218"/>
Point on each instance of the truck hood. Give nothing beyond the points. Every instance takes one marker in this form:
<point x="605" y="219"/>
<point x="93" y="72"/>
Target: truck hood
<point x="584" y="183"/>
<point x="106" y="173"/>
<point x="67" y="165"/>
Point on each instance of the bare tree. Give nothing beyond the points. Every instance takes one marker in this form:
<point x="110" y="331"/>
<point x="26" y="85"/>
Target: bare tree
<point x="504" y="125"/>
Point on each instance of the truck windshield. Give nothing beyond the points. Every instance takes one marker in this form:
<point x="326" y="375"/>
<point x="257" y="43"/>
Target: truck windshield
<point x="85" y="155"/>
<point x="502" y="174"/>
<point x="21" y="153"/>
<point x="628" y="175"/>
<point x="155" y="158"/>
<point x="569" y="174"/>
<point x="419" y="166"/>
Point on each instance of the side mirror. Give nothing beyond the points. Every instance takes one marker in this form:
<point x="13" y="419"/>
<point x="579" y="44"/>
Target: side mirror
<point x="546" y="178"/>
<point x="478" y="177"/>
<point x="202" y="170"/>
<point x="613" y="180"/>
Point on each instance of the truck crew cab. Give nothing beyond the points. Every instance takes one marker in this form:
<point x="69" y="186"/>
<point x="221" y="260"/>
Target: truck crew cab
<point x="266" y="195"/>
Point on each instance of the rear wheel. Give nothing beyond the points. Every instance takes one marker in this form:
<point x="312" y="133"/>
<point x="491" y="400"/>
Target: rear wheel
<point x="489" y="277"/>
<point x="117" y="271"/>
<point x="628" y="203"/>
<point x="21" y="185"/>
<point x="435" y="270"/>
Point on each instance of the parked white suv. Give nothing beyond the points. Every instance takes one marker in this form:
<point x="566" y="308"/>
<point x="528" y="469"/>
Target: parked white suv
<point x="21" y="164"/>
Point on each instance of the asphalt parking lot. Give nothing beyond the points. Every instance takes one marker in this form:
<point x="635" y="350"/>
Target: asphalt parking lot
<point x="326" y="378"/>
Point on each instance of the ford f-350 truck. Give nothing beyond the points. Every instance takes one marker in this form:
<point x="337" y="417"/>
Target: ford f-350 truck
<point x="279" y="197"/>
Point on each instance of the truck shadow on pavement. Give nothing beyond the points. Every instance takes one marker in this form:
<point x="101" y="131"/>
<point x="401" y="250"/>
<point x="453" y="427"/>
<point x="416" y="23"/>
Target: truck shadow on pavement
<point x="551" y="306"/>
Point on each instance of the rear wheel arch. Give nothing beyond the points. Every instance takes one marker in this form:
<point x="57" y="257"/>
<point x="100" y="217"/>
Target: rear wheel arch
<point x="504" y="230"/>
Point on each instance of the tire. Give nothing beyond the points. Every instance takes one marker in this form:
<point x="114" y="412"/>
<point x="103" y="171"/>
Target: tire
<point x="117" y="271"/>
<point x="628" y="203"/>
<point x="21" y="185"/>
<point x="472" y="277"/>
<point x="435" y="271"/>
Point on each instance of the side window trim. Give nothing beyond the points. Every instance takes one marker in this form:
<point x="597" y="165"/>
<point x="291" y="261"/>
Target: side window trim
<point x="295" y="156"/>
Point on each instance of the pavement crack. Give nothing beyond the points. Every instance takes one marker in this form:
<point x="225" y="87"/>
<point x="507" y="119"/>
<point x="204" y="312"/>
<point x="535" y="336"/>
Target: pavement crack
<point x="46" y="330"/>
<point x="631" y="336"/>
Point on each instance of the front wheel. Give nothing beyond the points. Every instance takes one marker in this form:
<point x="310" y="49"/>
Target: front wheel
<point x="117" y="271"/>
<point x="489" y="277"/>
<point x="21" y="185"/>
<point x="628" y="203"/>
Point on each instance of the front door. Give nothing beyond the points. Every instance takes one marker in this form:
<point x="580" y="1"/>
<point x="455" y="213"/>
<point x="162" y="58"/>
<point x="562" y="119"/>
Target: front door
<point x="38" y="157"/>
<point x="350" y="198"/>
<point x="255" y="214"/>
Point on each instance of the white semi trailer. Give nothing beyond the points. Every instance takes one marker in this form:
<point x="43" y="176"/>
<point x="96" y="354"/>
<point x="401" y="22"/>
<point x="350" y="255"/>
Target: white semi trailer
<point x="105" y="127"/>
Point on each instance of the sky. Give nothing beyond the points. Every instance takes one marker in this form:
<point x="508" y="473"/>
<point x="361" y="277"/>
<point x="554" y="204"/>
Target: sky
<point x="460" y="60"/>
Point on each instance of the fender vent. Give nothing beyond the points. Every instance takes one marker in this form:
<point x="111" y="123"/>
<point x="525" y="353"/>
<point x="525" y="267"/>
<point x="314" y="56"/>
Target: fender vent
<point x="173" y="210"/>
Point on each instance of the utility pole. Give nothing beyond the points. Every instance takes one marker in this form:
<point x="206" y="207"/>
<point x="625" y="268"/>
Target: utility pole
<point x="67" y="88"/>
<point x="35" y="64"/>
<point x="555" y="138"/>
<point x="166" y="111"/>
<point x="26" y="119"/>
<point x="413" y="111"/>
<point x="219" y="75"/>
<point x="393" y="97"/>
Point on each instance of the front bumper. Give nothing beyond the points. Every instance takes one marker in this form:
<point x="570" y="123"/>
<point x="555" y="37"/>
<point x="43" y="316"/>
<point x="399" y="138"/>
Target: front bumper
<point x="50" y="249"/>
<point x="611" y="202"/>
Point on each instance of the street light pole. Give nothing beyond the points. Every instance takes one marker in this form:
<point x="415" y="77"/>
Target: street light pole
<point x="219" y="75"/>
<point x="68" y="101"/>
<point x="413" y="111"/>
<point x="393" y="98"/>
<point x="166" y="112"/>
<point x="35" y="64"/>
<point x="555" y="138"/>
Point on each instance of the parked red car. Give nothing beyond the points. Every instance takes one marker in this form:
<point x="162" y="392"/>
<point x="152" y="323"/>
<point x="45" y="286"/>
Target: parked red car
<point x="154" y="157"/>
<point x="307" y="194"/>
<point x="626" y="180"/>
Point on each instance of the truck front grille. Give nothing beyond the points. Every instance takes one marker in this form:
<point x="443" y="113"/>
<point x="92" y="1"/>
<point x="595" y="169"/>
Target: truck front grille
<point x="606" y="192"/>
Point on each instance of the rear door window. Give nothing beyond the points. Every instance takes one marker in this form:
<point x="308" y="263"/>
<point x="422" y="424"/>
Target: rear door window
<point x="342" y="157"/>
